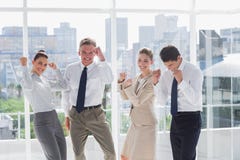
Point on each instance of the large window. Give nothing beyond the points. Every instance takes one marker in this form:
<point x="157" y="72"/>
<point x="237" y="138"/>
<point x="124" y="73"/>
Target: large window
<point x="154" y="32"/>
<point x="11" y="98"/>
<point x="206" y="33"/>
<point x="59" y="35"/>
<point x="218" y="52"/>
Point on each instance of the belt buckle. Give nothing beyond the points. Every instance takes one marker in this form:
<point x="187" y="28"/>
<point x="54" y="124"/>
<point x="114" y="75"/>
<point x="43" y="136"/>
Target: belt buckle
<point x="86" y="108"/>
<point x="89" y="108"/>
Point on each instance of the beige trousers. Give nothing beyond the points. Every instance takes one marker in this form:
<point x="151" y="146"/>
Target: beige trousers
<point x="90" y="122"/>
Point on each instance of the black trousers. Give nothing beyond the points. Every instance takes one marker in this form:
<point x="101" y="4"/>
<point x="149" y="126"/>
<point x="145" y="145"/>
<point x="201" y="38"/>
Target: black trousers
<point x="184" y="135"/>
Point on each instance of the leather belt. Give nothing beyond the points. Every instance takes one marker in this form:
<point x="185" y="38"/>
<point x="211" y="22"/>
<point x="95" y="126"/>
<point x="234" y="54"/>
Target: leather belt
<point x="89" y="107"/>
<point x="187" y="113"/>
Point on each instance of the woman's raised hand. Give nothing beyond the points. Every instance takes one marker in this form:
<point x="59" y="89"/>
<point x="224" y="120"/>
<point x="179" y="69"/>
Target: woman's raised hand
<point x="23" y="61"/>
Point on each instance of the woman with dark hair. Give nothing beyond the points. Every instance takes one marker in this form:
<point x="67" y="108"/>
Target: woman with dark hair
<point x="37" y="90"/>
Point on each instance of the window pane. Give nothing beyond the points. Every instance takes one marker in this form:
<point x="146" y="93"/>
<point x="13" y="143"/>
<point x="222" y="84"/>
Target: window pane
<point x="204" y="117"/>
<point x="154" y="32"/>
<point x="218" y="55"/>
<point x="154" y="4"/>
<point x="217" y="5"/>
<point x="59" y="35"/>
<point x="69" y="3"/>
<point x="11" y="3"/>
<point x="236" y="90"/>
<point x="11" y="98"/>
<point x="52" y="25"/>
<point x="221" y="117"/>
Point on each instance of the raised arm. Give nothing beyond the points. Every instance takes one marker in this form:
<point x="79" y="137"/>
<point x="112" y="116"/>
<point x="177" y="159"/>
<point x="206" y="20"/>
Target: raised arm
<point x="26" y="80"/>
<point x="121" y="79"/>
<point x="59" y="83"/>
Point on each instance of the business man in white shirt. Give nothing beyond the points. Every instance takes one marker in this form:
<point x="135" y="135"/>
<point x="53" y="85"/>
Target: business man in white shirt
<point x="186" y="102"/>
<point x="82" y="101"/>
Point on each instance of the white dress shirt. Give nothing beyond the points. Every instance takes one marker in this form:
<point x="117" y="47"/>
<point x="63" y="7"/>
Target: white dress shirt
<point x="189" y="90"/>
<point x="37" y="89"/>
<point x="98" y="74"/>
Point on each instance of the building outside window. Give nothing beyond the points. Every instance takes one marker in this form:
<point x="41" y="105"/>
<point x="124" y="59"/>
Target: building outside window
<point x="205" y="33"/>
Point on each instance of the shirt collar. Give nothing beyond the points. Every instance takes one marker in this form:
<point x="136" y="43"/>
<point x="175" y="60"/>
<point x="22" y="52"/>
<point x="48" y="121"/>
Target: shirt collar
<point x="34" y="74"/>
<point x="181" y="66"/>
<point x="36" y="77"/>
<point x="89" y="67"/>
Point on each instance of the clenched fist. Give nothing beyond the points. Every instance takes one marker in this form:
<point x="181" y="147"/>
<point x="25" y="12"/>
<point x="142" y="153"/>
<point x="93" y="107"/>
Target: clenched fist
<point x="23" y="61"/>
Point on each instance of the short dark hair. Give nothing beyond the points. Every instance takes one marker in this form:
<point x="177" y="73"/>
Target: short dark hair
<point x="146" y="51"/>
<point x="169" y="53"/>
<point x="88" y="41"/>
<point x="39" y="54"/>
